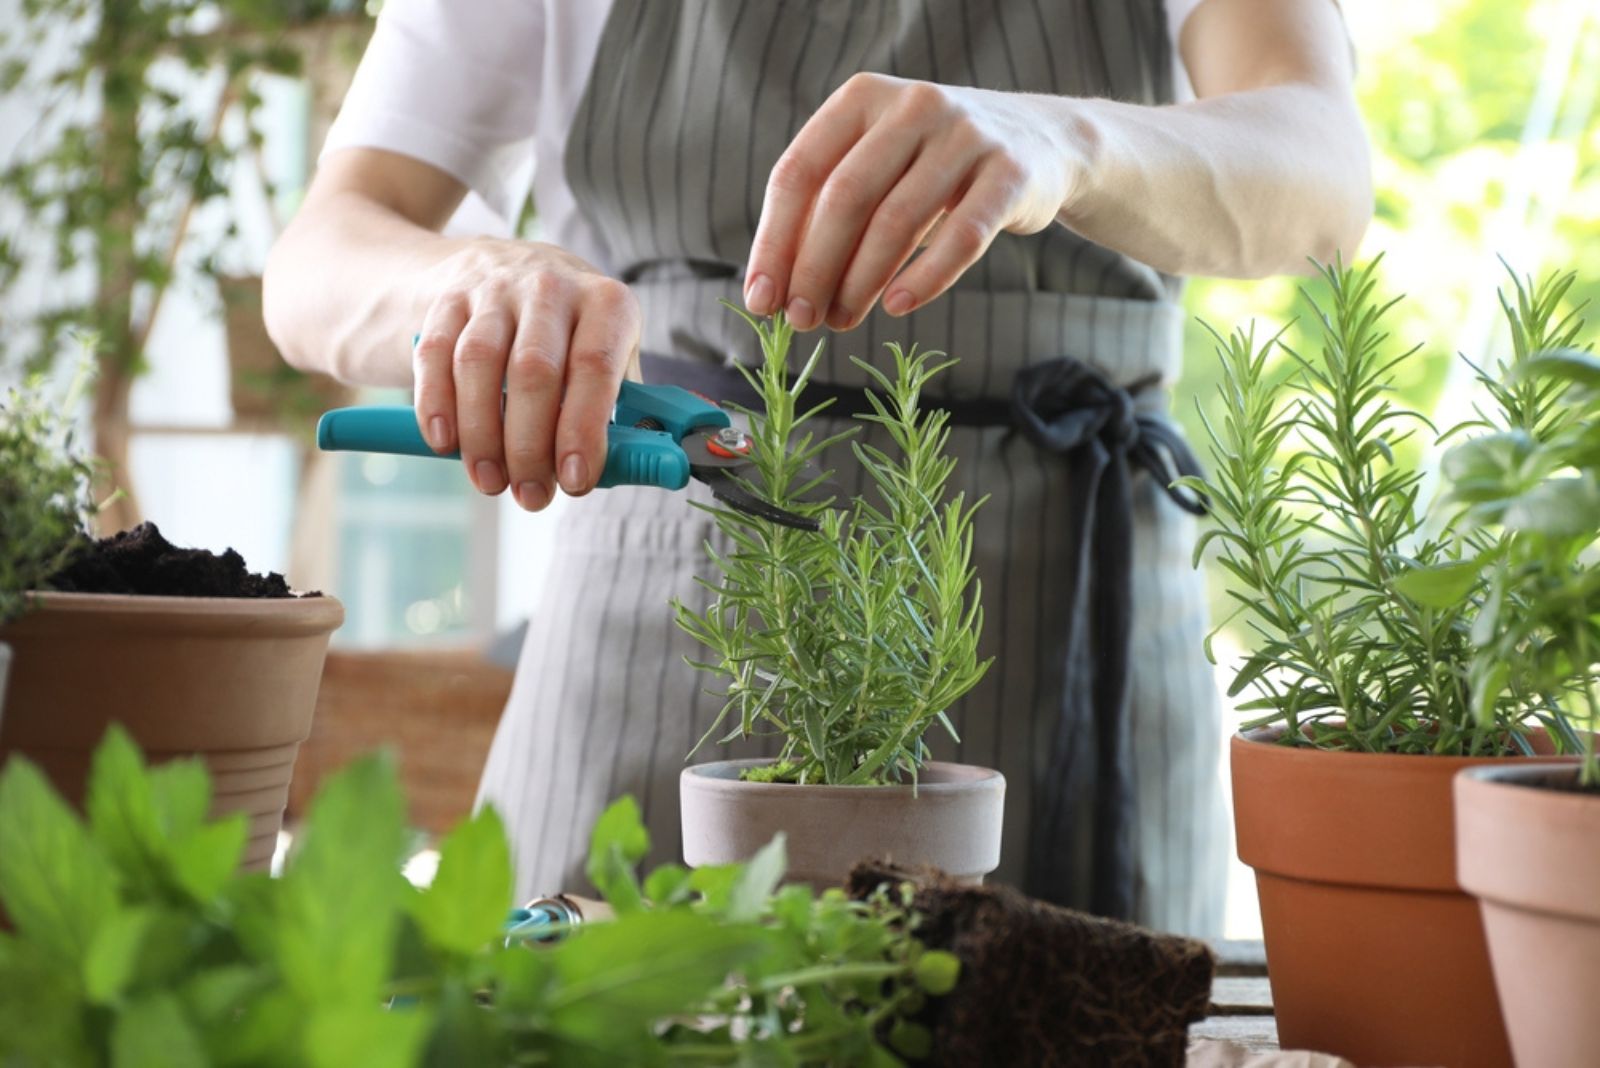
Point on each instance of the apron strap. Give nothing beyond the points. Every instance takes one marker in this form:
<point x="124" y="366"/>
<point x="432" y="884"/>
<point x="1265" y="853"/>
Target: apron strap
<point x="1069" y="409"/>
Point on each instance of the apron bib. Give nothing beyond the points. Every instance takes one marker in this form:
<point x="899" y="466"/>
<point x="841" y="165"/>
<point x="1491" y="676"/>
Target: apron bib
<point x="689" y="106"/>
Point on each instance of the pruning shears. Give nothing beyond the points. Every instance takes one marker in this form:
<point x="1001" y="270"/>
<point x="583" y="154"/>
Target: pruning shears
<point x="659" y="436"/>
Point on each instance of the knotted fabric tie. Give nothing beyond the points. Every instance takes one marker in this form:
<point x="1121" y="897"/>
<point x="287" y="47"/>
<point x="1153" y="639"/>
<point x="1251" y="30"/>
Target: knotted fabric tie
<point x="1068" y="408"/>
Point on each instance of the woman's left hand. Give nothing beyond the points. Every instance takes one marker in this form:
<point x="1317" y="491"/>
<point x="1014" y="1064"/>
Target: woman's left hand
<point x="867" y="179"/>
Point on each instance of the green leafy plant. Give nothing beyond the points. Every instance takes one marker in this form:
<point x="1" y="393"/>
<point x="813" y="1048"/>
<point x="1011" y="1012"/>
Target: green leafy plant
<point x="136" y="942"/>
<point x="46" y="500"/>
<point x="1370" y="612"/>
<point x="1533" y="482"/>
<point x="130" y="142"/>
<point x="852" y="643"/>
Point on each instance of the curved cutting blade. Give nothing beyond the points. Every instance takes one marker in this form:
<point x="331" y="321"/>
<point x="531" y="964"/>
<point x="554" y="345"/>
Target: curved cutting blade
<point x="715" y="455"/>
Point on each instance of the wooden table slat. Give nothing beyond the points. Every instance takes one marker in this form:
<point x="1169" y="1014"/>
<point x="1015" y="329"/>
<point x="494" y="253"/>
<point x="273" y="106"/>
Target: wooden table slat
<point x="1237" y="957"/>
<point x="1241" y="996"/>
<point x="1259" y="1034"/>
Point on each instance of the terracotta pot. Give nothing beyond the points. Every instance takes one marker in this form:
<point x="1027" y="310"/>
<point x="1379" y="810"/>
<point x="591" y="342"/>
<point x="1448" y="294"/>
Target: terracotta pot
<point x="233" y="681"/>
<point x="952" y="822"/>
<point x="1530" y="851"/>
<point x="1374" y="951"/>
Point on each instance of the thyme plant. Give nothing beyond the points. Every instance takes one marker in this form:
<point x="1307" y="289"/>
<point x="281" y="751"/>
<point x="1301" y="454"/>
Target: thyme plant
<point x="853" y="642"/>
<point x="45" y="496"/>
<point x="1371" y="615"/>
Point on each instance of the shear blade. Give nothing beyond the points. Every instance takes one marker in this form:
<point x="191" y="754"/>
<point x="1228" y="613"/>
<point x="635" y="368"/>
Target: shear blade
<point x="727" y="490"/>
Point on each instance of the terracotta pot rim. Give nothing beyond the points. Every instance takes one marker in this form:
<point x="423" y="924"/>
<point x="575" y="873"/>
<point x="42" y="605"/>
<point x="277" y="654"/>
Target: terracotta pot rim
<point x="1514" y="775"/>
<point x="938" y="777"/>
<point x="221" y="615"/>
<point x="1529" y="849"/>
<point x="1267" y="738"/>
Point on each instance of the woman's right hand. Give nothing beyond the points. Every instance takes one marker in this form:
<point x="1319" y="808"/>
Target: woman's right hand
<point x="550" y="333"/>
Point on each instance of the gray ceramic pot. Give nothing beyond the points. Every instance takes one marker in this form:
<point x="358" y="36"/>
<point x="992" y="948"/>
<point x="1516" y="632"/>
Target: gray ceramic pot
<point x="5" y="667"/>
<point x="952" y="821"/>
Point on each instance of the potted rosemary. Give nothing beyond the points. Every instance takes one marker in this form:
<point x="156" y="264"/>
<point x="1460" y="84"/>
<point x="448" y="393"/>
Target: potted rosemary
<point x="187" y="650"/>
<point x="1370" y="688"/>
<point x="1528" y="837"/>
<point x="848" y="644"/>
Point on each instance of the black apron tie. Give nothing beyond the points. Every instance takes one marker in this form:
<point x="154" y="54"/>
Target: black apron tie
<point x="1069" y="409"/>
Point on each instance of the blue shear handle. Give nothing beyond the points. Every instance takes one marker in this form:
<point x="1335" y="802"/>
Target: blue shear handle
<point x="634" y="457"/>
<point x="390" y="428"/>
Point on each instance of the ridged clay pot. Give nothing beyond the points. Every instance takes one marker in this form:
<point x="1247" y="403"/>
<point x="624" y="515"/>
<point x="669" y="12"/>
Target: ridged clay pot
<point x="952" y="821"/>
<point x="1374" y="951"/>
<point x="231" y="680"/>
<point x="1530" y="851"/>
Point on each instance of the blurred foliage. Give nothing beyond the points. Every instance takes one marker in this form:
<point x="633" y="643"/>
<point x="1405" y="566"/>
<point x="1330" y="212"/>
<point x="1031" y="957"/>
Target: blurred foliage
<point x="1447" y="88"/>
<point x="127" y="142"/>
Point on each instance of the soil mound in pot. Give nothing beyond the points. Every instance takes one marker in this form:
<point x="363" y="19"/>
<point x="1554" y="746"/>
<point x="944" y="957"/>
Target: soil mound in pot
<point x="142" y="562"/>
<point x="1046" y="985"/>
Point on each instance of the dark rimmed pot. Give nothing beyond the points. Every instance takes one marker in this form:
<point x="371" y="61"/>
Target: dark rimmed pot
<point x="1528" y="847"/>
<point x="1374" y="951"/>
<point x="951" y="821"/>
<point x="231" y="680"/>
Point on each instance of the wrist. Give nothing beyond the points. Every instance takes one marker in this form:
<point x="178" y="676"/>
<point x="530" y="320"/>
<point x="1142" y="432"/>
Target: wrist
<point x="1080" y="142"/>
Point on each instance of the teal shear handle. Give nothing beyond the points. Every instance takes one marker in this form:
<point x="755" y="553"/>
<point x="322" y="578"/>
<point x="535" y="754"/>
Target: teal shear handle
<point x="637" y="453"/>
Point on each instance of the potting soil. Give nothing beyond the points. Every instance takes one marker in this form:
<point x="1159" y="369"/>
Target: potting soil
<point x="140" y="561"/>
<point x="1042" y="985"/>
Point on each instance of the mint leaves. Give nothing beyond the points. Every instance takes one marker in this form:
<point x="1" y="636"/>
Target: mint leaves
<point x="137" y="943"/>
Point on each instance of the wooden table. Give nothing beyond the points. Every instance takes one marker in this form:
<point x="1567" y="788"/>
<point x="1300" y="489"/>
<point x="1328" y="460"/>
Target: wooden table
<point x="1241" y="999"/>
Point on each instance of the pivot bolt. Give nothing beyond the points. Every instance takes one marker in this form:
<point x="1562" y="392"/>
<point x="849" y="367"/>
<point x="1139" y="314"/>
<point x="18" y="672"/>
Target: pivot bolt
<point x="729" y="443"/>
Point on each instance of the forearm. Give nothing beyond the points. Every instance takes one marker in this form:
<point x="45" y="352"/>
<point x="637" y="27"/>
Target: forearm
<point x="348" y="285"/>
<point x="1245" y="184"/>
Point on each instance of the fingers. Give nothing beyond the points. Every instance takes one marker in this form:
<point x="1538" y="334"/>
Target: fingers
<point x="845" y="205"/>
<point x="432" y="370"/>
<point x="480" y="366"/>
<point x="604" y="343"/>
<point x="795" y="182"/>
<point x="534" y="375"/>
<point x="901" y="223"/>
<point x="962" y="237"/>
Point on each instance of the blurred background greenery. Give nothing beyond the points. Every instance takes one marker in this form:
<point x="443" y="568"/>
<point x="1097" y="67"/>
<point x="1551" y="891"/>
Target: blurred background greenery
<point x="1486" y="145"/>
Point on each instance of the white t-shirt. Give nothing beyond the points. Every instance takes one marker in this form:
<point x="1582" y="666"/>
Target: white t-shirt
<point x="485" y="89"/>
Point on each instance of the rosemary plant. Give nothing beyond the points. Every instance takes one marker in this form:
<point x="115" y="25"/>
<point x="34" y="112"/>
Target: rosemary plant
<point x="852" y="643"/>
<point x="1371" y="620"/>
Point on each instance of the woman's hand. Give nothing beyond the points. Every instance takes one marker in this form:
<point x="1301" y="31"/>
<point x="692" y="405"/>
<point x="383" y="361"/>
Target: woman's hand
<point x="551" y="331"/>
<point x="871" y="174"/>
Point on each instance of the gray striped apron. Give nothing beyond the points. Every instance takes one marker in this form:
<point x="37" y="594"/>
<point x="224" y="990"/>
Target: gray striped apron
<point x="689" y="105"/>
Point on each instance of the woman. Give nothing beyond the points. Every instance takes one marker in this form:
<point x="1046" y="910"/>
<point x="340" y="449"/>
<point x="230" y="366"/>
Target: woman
<point x="795" y="155"/>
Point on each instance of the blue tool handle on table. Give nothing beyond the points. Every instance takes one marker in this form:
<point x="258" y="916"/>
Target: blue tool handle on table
<point x="634" y="456"/>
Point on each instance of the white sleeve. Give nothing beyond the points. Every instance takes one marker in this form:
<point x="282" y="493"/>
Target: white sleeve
<point x="454" y="85"/>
